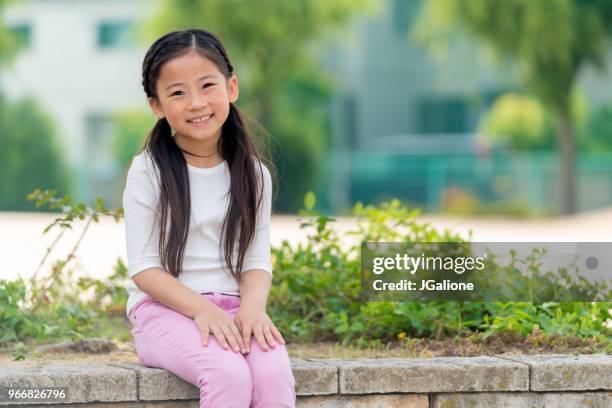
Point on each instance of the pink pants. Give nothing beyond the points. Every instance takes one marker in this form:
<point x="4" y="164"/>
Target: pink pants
<point x="170" y="340"/>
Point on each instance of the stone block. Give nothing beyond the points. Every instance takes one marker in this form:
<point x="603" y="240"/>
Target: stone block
<point x="568" y="373"/>
<point x="155" y="384"/>
<point x="424" y="375"/>
<point x="315" y="377"/>
<point x="83" y="382"/>
<point x="523" y="400"/>
<point x="365" y="401"/>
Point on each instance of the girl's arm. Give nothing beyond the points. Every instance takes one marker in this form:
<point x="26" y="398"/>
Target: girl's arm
<point x="254" y="289"/>
<point x="251" y="317"/>
<point x="171" y="292"/>
<point x="256" y="279"/>
<point x="142" y="237"/>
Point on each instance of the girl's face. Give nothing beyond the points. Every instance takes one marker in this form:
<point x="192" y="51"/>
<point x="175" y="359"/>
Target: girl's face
<point x="192" y="87"/>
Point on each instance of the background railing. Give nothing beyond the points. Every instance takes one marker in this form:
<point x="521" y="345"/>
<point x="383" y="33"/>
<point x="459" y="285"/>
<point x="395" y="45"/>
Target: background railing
<point x="512" y="183"/>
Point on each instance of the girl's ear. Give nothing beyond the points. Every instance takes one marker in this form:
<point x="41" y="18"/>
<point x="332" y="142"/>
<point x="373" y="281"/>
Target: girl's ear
<point x="232" y="88"/>
<point x="156" y="108"/>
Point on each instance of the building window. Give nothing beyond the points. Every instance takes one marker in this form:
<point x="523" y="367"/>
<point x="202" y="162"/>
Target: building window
<point x="22" y="33"/>
<point x="116" y="34"/>
<point x="102" y="171"/>
<point x="350" y="117"/>
<point x="443" y="115"/>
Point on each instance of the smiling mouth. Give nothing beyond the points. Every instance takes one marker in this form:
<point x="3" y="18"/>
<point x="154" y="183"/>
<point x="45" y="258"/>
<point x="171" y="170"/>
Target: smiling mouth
<point x="201" y="119"/>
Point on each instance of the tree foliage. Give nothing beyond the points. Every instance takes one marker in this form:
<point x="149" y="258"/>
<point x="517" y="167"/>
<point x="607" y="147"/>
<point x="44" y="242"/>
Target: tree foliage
<point x="521" y="122"/>
<point x="599" y="130"/>
<point x="276" y="48"/>
<point x="131" y="131"/>
<point x="552" y="40"/>
<point x="8" y="45"/>
<point x="31" y="156"/>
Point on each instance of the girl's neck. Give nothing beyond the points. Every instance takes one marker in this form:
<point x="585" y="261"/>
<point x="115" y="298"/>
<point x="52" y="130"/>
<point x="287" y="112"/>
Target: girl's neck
<point x="204" y="162"/>
<point x="198" y="156"/>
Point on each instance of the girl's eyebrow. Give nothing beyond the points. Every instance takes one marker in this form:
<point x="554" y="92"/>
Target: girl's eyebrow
<point x="180" y="83"/>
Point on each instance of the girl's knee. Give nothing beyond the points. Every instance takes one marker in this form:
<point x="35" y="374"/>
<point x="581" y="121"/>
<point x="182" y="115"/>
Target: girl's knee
<point x="273" y="373"/>
<point x="237" y="373"/>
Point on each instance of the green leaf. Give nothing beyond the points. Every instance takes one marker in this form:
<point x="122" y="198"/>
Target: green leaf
<point x="310" y="200"/>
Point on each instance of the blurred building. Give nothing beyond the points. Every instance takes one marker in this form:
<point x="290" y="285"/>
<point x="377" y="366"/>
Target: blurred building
<point x="403" y="125"/>
<point x="81" y="62"/>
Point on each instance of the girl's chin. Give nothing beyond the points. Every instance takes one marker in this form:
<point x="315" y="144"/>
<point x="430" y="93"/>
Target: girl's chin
<point x="198" y="136"/>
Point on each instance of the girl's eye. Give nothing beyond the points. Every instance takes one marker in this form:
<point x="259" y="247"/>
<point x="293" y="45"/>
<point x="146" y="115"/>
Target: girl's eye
<point x="207" y="85"/>
<point x="174" y="93"/>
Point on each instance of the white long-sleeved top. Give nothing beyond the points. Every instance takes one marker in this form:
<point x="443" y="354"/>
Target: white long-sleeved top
<point x="204" y="268"/>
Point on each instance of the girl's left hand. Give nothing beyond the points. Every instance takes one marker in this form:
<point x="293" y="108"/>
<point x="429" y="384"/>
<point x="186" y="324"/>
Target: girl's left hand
<point x="256" y="321"/>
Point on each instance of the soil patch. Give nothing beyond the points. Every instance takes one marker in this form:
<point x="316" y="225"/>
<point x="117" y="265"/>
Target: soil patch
<point x="502" y="344"/>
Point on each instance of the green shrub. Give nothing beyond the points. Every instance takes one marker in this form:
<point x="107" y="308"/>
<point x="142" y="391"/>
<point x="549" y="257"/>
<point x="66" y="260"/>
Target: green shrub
<point x="14" y="323"/>
<point x="317" y="286"/>
<point x="53" y="305"/>
<point x="316" y="294"/>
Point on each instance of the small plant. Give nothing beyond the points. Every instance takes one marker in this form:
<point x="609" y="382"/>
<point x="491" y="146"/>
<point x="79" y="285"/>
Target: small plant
<point x="40" y="287"/>
<point x="315" y="296"/>
<point x="49" y="306"/>
<point x="317" y="286"/>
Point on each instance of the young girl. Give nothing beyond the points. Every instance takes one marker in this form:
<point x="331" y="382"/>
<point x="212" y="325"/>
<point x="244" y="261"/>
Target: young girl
<point x="197" y="207"/>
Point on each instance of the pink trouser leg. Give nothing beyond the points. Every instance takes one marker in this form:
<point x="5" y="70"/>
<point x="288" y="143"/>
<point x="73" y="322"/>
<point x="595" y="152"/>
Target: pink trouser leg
<point x="273" y="381"/>
<point x="167" y="339"/>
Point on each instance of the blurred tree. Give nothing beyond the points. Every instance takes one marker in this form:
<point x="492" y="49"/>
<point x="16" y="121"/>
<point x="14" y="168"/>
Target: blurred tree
<point x="131" y="130"/>
<point x="598" y="136"/>
<point x="8" y="44"/>
<point x="551" y="39"/>
<point x="31" y="156"/>
<point x="273" y="46"/>
<point x="518" y="122"/>
<point x="523" y="123"/>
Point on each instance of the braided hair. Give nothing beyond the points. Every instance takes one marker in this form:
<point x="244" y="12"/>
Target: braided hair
<point x="238" y="149"/>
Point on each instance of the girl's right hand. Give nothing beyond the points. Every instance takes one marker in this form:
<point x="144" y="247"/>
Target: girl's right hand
<point x="214" y="320"/>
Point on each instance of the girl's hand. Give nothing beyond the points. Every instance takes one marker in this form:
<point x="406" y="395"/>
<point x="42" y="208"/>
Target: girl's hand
<point x="214" y="320"/>
<point x="254" y="320"/>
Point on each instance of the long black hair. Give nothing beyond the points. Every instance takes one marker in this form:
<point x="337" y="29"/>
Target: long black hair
<point x="236" y="145"/>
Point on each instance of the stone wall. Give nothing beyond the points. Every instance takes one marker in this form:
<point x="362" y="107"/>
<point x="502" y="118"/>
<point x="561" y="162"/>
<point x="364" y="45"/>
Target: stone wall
<point x="544" y="381"/>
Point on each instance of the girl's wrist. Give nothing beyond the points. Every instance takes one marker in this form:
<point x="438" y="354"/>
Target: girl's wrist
<point x="203" y="306"/>
<point x="253" y="304"/>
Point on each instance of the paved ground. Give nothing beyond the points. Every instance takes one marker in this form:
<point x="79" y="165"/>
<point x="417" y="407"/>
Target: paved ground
<point x="22" y="245"/>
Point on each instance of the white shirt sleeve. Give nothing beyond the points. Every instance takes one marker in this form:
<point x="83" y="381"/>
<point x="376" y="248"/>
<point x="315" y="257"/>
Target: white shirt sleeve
<point x="258" y="254"/>
<point x="141" y="230"/>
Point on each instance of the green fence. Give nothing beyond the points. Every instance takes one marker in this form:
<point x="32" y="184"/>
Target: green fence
<point x="499" y="183"/>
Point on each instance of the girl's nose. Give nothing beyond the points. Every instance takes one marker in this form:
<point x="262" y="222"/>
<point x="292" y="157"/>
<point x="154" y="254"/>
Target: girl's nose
<point x="197" y="101"/>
